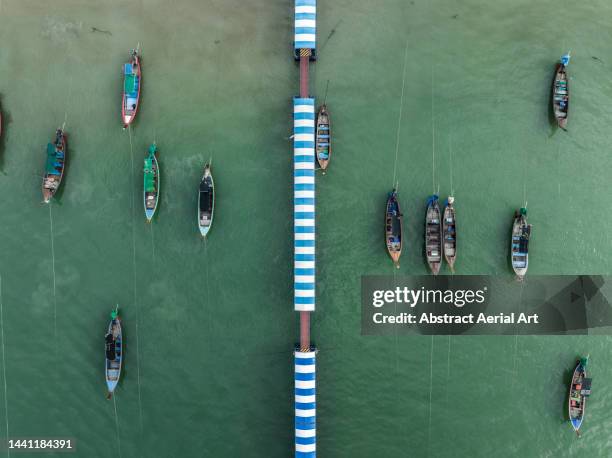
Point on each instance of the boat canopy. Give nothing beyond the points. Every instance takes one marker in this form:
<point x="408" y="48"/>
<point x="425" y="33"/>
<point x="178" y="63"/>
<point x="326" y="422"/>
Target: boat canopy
<point x="305" y="404"/>
<point x="304" y="204"/>
<point x="149" y="175"/>
<point x="131" y="84"/>
<point x="205" y="190"/>
<point x="305" y="25"/>
<point x="52" y="164"/>
<point x="585" y="389"/>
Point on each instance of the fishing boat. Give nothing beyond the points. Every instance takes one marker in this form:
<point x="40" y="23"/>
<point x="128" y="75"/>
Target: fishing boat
<point x="131" y="88"/>
<point x="393" y="228"/>
<point x="114" y="352"/>
<point x="433" y="233"/>
<point x="151" y="182"/>
<point x="580" y="389"/>
<point x="55" y="165"/>
<point x="323" y="140"/>
<point x="449" y="230"/>
<point x="560" y="99"/>
<point x="519" y="247"/>
<point x="206" y="201"/>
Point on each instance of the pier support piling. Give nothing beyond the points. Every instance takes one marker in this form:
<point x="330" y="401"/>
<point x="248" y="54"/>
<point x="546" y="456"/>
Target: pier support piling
<point x="304" y="331"/>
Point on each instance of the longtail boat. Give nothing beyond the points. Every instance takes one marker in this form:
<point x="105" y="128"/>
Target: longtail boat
<point x="393" y="228"/>
<point x="580" y="389"/>
<point x="131" y="88"/>
<point x="449" y="229"/>
<point x="433" y="235"/>
<point x="114" y="352"/>
<point x="151" y="182"/>
<point x="519" y="246"/>
<point x="323" y="139"/>
<point x="560" y="99"/>
<point x="206" y="201"/>
<point x="54" y="166"/>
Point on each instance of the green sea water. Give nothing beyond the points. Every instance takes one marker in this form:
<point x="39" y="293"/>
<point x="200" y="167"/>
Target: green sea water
<point x="442" y="95"/>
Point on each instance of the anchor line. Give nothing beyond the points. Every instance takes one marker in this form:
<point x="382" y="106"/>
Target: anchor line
<point x="399" y="117"/>
<point x="136" y="306"/>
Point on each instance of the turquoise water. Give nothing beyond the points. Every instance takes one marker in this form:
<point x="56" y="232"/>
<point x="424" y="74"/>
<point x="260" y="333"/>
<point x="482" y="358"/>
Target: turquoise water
<point x="209" y="327"/>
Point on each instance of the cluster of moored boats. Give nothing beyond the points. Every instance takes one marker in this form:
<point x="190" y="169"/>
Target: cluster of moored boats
<point x="57" y="155"/>
<point x="441" y="229"/>
<point x="441" y="234"/>
<point x="55" y="166"/>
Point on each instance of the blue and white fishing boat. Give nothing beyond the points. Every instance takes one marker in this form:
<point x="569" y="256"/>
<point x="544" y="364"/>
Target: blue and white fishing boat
<point x="206" y="201"/>
<point x="580" y="389"/>
<point x="323" y="139"/>
<point x="114" y="352"/>
<point x="519" y="246"/>
<point x="151" y="183"/>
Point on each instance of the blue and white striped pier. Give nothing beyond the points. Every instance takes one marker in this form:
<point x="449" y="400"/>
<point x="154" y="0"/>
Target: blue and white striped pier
<point x="305" y="30"/>
<point x="305" y="405"/>
<point x="304" y="268"/>
<point x="304" y="204"/>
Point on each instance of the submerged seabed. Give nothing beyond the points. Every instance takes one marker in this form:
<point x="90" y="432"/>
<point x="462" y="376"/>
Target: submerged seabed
<point x="209" y="326"/>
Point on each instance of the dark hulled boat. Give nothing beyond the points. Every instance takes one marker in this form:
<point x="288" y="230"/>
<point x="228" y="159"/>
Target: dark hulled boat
<point x="519" y="246"/>
<point x="393" y="228"/>
<point x="54" y="166"/>
<point x="560" y="99"/>
<point x="206" y="201"/>
<point x="323" y="138"/>
<point x="114" y="352"/>
<point x="433" y="234"/>
<point x="449" y="231"/>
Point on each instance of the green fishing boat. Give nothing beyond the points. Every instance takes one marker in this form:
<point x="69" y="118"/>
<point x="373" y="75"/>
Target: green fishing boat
<point x="151" y="182"/>
<point x="55" y="166"/>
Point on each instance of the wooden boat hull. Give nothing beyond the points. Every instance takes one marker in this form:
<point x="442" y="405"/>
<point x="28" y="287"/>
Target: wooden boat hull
<point x="130" y="101"/>
<point x="112" y="368"/>
<point x="151" y="199"/>
<point x="394" y="236"/>
<point x="52" y="182"/>
<point x="323" y="137"/>
<point x="433" y="235"/>
<point x="560" y="98"/>
<point x="206" y="201"/>
<point x="519" y="247"/>
<point x="576" y="415"/>
<point x="449" y="231"/>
